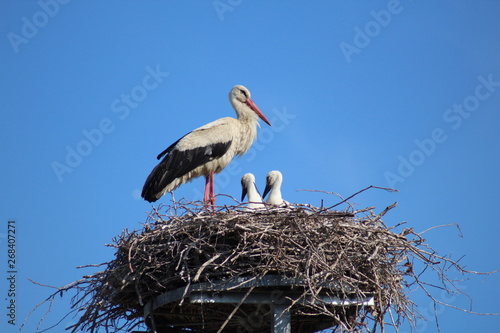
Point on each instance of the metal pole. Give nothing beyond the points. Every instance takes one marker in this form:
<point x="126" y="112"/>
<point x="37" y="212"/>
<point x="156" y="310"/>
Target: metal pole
<point x="281" y="319"/>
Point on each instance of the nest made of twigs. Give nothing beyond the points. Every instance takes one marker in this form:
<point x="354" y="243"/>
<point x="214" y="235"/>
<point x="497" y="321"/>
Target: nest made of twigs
<point x="183" y="244"/>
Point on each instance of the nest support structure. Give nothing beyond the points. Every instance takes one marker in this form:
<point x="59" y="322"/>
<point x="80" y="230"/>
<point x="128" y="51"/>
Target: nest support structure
<point x="267" y="304"/>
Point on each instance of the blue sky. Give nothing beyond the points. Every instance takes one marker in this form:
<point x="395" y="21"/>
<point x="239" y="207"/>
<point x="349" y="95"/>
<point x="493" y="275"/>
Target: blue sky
<point x="389" y="93"/>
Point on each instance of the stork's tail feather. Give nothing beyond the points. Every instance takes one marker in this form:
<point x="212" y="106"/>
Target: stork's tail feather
<point x="148" y="195"/>
<point x="149" y="192"/>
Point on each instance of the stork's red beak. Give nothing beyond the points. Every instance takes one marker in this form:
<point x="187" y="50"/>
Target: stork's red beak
<point x="256" y="109"/>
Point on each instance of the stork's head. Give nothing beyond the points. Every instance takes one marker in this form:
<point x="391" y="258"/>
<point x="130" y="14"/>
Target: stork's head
<point x="273" y="179"/>
<point x="241" y="101"/>
<point x="240" y="93"/>
<point x="247" y="181"/>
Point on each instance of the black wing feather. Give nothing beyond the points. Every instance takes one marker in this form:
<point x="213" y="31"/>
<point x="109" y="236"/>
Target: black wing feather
<point x="177" y="163"/>
<point x="172" y="146"/>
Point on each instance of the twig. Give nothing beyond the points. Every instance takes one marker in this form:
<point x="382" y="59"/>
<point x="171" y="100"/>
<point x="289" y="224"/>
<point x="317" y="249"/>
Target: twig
<point x="365" y="189"/>
<point x="235" y="309"/>
<point x="441" y="226"/>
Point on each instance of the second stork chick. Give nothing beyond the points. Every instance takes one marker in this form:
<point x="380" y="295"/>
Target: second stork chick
<point x="249" y="188"/>
<point x="273" y="185"/>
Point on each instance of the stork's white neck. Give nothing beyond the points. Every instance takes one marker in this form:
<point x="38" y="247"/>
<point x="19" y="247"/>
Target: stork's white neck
<point x="275" y="197"/>
<point x="244" y="112"/>
<point x="274" y="180"/>
<point x="254" y="198"/>
<point x="253" y="195"/>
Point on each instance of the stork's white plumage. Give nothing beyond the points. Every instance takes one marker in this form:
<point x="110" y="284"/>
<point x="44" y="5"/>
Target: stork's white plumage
<point x="249" y="188"/>
<point x="206" y="150"/>
<point x="273" y="184"/>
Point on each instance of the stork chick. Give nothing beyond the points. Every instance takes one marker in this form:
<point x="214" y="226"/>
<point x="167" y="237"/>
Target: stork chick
<point x="273" y="184"/>
<point x="249" y="188"/>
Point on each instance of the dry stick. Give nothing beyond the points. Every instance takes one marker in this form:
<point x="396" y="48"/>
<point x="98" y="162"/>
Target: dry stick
<point x="326" y="192"/>
<point x="453" y="306"/>
<point x="92" y="265"/>
<point x="130" y="256"/>
<point x="208" y="262"/>
<point x="235" y="309"/>
<point x="45" y="315"/>
<point x="379" y="216"/>
<point x="32" y="311"/>
<point x="55" y="325"/>
<point x="49" y="299"/>
<point x="444" y="225"/>
<point x="366" y="188"/>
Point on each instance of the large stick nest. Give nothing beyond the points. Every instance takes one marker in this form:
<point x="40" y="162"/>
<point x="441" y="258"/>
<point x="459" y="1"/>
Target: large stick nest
<point x="353" y="249"/>
<point x="345" y="254"/>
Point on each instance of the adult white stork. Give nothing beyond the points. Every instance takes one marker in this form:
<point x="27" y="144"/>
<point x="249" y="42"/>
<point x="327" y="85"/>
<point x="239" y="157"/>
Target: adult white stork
<point x="249" y="188"/>
<point x="273" y="184"/>
<point x="206" y="150"/>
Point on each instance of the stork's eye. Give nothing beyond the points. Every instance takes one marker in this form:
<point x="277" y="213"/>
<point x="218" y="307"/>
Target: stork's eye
<point x="244" y="93"/>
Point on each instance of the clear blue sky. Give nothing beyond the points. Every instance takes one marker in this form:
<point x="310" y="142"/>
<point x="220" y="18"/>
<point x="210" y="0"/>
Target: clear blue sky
<point x="402" y="94"/>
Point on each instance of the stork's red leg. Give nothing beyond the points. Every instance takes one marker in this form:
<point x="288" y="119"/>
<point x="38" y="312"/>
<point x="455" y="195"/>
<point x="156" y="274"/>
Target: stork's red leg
<point x="206" y="195"/>
<point x="212" y="192"/>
